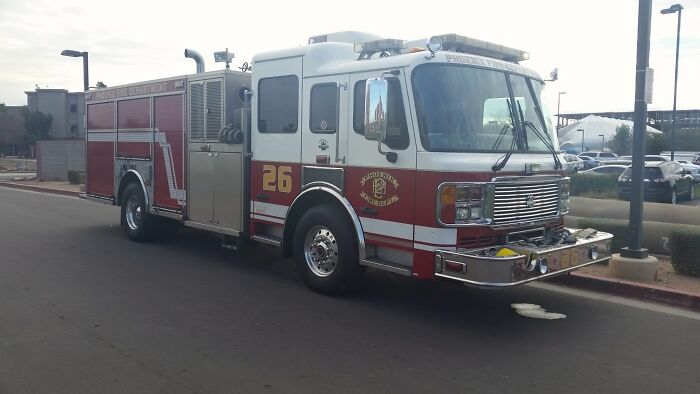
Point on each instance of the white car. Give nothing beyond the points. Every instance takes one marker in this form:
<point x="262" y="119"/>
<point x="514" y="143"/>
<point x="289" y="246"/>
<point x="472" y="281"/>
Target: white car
<point x="573" y="164"/>
<point x="600" y="156"/>
<point x="616" y="169"/>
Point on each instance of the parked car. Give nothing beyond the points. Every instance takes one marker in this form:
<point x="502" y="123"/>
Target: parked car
<point x="696" y="159"/>
<point x="694" y="171"/>
<point x="600" y="156"/>
<point x="618" y="162"/>
<point x="589" y="163"/>
<point x="573" y="164"/>
<point x="663" y="181"/>
<point x="616" y="169"/>
<point x="646" y="158"/>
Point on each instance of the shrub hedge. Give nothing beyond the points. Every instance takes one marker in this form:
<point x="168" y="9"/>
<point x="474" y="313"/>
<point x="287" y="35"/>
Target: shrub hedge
<point x="603" y="185"/>
<point x="685" y="251"/>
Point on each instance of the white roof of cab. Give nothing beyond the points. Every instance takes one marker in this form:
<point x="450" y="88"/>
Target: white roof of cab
<point x="338" y="58"/>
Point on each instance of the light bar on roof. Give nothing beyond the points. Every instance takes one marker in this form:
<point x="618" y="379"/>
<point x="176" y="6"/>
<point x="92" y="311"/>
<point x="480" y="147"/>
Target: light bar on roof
<point x="457" y="43"/>
<point x="384" y="45"/>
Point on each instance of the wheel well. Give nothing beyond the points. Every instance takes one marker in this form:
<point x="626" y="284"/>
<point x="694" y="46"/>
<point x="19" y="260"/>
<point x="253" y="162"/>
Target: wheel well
<point x="305" y="202"/>
<point x="130" y="177"/>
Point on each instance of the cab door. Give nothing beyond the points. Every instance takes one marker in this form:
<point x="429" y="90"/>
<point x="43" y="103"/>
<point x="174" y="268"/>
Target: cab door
<point x="382" y="191"/>
<point x="324" y="129"/>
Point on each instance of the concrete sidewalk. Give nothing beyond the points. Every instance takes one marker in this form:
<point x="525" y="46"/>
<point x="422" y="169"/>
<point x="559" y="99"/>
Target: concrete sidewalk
<point x="60" y="188"/>
<point x="637" y="290"/>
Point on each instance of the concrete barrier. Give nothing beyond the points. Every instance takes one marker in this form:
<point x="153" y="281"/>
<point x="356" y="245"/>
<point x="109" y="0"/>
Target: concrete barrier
<point x="652" y="212"/>
<point x="655" y="235"/>
<point x="18" y="164"/>
<point x="56" y="158"/>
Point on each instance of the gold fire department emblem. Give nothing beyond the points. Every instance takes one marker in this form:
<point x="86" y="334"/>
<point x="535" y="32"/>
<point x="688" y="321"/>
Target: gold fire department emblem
<point x="379" y="188"/>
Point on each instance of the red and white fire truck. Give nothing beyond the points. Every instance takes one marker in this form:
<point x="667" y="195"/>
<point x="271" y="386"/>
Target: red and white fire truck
<point x="432" y="159"/>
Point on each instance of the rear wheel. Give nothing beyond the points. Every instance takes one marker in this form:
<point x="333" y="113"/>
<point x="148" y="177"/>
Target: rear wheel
<point x="137" y="223"/>
<point x="325" y="251"/>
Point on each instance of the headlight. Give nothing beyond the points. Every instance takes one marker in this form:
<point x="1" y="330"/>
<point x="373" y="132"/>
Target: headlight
<point x="460" y="204"/>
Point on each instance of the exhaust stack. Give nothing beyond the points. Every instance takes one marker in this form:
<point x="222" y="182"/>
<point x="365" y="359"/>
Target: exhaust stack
<point x="192" y="54"/>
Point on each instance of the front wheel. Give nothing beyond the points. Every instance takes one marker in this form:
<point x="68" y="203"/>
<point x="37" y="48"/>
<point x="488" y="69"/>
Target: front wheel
<point x="137" y="223"/>
<point x="325" y="251"/>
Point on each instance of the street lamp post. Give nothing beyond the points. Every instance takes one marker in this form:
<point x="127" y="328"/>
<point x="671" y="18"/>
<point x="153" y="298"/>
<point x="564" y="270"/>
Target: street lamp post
<point x="559" y="113"/>
<point x="602" y="143"/>
<point x="670" y="10"/>
<point x="583" y="135"/>
<point x="84" y="55"/>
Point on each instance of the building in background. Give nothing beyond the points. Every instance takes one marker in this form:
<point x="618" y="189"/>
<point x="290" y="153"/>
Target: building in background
<point x="12" y="142"/>
<point x="67" y="109"/>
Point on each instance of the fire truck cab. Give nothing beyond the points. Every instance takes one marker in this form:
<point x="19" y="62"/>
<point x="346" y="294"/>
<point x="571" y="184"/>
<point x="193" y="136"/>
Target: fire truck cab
<point x="431" y="159"/>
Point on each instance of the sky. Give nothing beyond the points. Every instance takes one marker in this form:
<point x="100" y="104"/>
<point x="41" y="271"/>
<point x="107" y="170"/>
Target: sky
<point x="592" y="43"/>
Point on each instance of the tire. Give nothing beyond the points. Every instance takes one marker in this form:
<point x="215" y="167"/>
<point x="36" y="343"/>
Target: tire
<point x="138" y="225"/>
<point x="325" y="251"/>
<point x="575" y="171"/>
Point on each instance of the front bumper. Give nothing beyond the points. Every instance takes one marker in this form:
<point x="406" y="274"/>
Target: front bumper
<point x="482" y="268"/>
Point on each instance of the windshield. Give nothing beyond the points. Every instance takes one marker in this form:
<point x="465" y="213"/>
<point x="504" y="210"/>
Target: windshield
<point x="466" y="109"/>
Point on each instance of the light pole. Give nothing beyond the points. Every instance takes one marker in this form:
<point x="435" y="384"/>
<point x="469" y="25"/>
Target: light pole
<point x="583" y="135"/>
<point x="558" y="113"/>
<point x="84" y="55"/>
<point x="670" y="10"/>
<point x="602" y="143"/>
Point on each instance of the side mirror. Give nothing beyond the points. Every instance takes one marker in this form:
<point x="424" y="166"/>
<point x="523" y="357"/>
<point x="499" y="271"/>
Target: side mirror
<point x="376" y="104"/>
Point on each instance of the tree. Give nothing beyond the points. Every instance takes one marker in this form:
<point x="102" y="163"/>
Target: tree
<point x="655" y="144"/>
<point x="37" y="125"/>
<point x="622" y="141"/>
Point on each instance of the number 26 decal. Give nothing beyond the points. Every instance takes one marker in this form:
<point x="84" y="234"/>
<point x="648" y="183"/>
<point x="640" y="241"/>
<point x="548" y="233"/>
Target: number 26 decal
<point x="277" y="179"/>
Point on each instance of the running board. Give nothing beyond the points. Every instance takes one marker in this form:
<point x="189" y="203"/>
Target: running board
<point x="274" y="241"/>
<point x="386" y="266"/>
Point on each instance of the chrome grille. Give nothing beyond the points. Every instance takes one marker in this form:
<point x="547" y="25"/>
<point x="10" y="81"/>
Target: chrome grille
<point x="525" y="202"/>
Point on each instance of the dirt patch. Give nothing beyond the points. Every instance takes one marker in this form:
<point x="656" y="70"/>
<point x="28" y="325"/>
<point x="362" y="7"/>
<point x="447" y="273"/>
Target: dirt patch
<point x="665" y="276"/>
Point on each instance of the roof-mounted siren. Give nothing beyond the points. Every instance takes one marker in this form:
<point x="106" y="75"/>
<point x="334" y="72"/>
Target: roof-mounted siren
<point x="385" y="47"/>
<point x="224" y="57"/>
<point x="457" y="43"/>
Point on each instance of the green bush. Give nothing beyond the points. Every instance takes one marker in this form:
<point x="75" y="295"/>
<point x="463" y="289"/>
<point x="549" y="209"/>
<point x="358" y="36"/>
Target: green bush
<point x="618" y="228"/>
<point x="597" y="186"/>
<point x="76" y="177"/>
<point x="685" y="251"/>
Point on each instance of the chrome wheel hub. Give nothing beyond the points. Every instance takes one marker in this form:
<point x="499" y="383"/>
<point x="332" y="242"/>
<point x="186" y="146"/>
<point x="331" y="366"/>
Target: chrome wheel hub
<point x="134" y="213"/>
<point x="321" y="251"/>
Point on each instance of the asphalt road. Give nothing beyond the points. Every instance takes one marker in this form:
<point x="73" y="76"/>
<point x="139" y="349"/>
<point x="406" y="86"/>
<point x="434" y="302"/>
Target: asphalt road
<point x="84" y="310"/>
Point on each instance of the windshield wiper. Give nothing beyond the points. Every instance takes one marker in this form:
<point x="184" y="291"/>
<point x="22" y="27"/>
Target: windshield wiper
<point x="501" y="162"/>
<point x="547" y="143"/>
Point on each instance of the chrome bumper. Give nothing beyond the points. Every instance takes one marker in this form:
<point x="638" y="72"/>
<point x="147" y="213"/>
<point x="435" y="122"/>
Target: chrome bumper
<point x="482" y="268"/>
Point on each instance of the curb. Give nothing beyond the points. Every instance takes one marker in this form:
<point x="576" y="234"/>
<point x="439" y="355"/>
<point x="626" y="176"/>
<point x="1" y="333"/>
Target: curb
<point x="40" y="189"/>
<point x="629" y="289"/>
